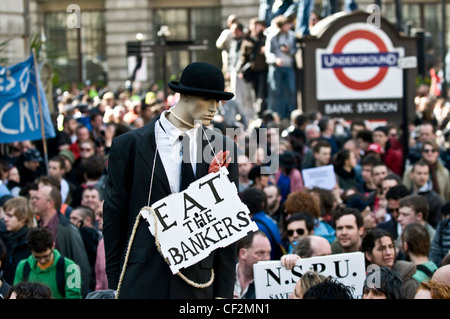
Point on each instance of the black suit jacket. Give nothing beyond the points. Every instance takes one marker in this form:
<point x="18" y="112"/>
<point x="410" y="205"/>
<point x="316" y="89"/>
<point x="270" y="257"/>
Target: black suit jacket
<point x="126" y="192"/>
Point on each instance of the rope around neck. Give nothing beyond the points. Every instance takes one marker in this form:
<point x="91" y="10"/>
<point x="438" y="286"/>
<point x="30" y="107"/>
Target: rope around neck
<point x="181" y="120"/>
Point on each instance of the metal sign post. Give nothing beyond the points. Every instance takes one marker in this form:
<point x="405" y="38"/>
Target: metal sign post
<point x="405" y="63"/>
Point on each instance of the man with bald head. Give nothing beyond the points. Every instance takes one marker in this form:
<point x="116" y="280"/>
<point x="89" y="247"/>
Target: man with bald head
<point x="46" y="204"/>
<point x="312" y="246"/>
<point x="308" y="246"/>
<point x="442" y="275"/>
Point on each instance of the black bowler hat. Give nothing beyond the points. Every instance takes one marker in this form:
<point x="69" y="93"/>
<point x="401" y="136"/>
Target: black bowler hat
<point x="202" y="79"/>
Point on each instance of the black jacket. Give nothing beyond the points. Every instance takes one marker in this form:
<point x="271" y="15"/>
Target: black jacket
<point x="435" y="205"/>
<point x="4" y="288"/>
<point x="147" y="274"/>
<point x="17" y="249"/>
<point x="91" y="237"/>
<point x="390" y="226"/>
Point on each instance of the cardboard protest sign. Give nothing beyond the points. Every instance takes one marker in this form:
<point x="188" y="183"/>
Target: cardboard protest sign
<point x="273" y="281"/>
<point x="191" y="224"/>
<point x="323" y="177"/>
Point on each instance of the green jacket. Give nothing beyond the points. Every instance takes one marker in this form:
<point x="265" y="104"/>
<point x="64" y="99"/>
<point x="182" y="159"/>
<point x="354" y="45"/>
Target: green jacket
<point x="48" y="276"/>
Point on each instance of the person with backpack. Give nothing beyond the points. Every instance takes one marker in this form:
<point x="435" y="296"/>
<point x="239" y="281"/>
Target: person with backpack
<point x="68" y="241"/>
<point x="416" y="245"/>
<point x="255" y="199"/>
<point x="47" y="265"/>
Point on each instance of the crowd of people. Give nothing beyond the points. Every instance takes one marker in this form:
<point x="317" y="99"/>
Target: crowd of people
<point x="398" y="215"/>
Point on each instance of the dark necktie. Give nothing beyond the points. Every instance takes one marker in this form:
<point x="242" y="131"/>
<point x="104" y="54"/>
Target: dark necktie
<point x="187" y="174"/>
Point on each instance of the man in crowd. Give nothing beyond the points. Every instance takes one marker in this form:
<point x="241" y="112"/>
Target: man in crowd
<point x="299" y="225"/>
<point x="91" y="198"/>
<point x="349" y="230"/>
<point x="251" y="249"/>
<point x="416" y="245"/>
<point x="308" y="246"/>
<point x="56" y="168"/>
<point x="379" y="172"/>
<point x="367" y="163"/>
<point x="254" y="61"/>
<point x="439" y="175"/>
<point x="68" y="239"/>
<point x="280" y="53"/>
<point x="29" y="169"/>
<point x="327" y="132"/>
<point x="422" y="185"/>
<point x="274" y="207"/>
<point x="83" y="217"/>
<point x="393" y="197"/>
<point x="244" y="170"/>
<point x="259" y="177"/>
<point x="414" y="209"/>
<point x="45" y="263"/>
<point x="321" y="153"/>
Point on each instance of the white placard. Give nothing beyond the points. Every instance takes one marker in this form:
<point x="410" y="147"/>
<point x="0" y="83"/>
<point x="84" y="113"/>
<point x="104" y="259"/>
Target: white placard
<point x="273" y="281"/>
<point x="408" y="62"/>
<point x="323" y="177"/>
<point x="191" y="224"/>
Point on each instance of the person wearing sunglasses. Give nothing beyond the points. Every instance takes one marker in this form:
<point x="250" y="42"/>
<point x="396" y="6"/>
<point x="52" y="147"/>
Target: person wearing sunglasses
<point x="299" y="225"/>
<point x="439" y="174"/>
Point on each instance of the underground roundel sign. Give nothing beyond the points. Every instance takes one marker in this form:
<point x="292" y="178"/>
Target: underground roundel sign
<point x="360" y="62"/>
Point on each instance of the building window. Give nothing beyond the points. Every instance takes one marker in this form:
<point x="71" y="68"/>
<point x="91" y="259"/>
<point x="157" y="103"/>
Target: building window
<point x="77" y="54"/>
<point x="187" y="24"/>
<point x="426" y="16"/>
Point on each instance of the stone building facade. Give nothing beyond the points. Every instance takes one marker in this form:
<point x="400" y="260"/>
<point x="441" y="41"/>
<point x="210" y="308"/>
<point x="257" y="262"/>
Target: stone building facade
<point x="86" y="40"/>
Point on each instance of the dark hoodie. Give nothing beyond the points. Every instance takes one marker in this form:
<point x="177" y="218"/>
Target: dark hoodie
<point x="17" y="249"/>
<point x="4" y="288"/>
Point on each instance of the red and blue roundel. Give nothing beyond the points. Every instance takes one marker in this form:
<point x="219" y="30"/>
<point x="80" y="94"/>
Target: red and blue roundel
<point x="359" y="62"/>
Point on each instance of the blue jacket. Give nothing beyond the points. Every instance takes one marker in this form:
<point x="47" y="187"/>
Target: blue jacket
<point x="325" y="230"/>
<point x="270" y="228"/>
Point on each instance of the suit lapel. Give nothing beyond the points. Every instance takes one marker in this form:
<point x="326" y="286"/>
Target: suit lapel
<point x="202" y="166"/>
<point x="147" y="150"/>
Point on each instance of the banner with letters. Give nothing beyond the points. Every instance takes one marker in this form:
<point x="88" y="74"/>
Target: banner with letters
<point x="273" y="281"/>
<point x="357" y="73"/>
<point x="19" y="107"/>
<point x="191" y="224"/>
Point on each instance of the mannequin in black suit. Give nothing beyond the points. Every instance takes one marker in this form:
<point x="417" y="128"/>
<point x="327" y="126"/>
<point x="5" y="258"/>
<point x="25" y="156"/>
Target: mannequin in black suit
<point x="130" y="168"/>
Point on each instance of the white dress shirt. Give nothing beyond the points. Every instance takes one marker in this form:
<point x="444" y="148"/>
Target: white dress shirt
<point x="64" y="190"/>
<point x="169" y="149"/>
